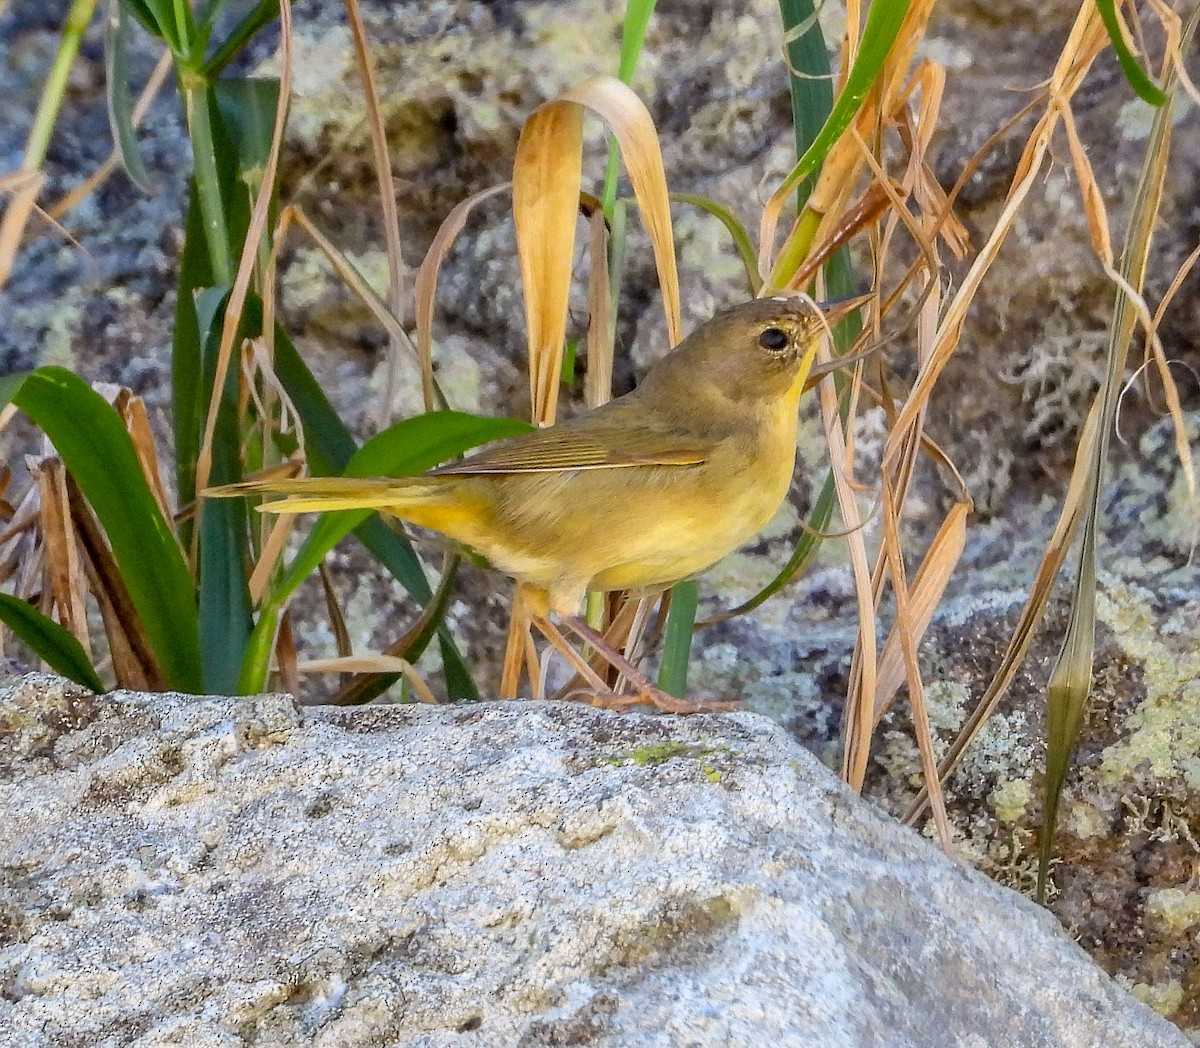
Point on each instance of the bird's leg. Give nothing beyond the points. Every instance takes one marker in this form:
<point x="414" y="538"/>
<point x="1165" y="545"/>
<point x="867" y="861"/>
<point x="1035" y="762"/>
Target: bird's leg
<point x="644" y="690"/>
<point x="622" y="628"/>
<point x="563" y="646"/>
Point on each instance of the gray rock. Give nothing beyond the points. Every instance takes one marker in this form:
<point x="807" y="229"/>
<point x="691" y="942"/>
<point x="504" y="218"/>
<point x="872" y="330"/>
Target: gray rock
<point x="225" y="872"/>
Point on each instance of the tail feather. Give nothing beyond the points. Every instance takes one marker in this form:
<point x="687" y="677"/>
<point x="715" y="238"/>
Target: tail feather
<point x="325" y="494"/>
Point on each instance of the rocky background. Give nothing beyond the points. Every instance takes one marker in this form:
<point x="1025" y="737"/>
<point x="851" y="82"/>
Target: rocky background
<point x="457" y="79"/>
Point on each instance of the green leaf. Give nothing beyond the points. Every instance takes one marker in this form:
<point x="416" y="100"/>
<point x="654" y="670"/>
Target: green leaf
<point x="226" y="619"/>
<point x="1145" y="88"/>
<point x="406" y="448"/>
<point x="49" y="642"/>
<point x="94" y="445"/>
<point x="677" y="639"/>
<point x="10" y="384"/>
<point x="247" y="106"/>
<point x="120" y="103"/>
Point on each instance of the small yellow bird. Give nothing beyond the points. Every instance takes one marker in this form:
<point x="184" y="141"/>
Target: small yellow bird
<point x="638" y="494"/>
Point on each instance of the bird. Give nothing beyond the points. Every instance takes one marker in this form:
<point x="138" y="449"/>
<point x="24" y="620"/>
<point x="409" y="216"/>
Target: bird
<point x="642" y="492"/>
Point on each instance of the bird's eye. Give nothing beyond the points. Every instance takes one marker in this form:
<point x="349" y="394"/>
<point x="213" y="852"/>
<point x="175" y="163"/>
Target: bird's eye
<point x="774" y="339"/>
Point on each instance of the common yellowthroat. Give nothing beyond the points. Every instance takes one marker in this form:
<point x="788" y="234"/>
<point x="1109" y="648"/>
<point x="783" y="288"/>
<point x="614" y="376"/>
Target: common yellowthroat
<point x="640" y="493"/>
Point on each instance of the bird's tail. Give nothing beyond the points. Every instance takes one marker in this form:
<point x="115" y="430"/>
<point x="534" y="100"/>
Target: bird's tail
<point x="323" y="494"/>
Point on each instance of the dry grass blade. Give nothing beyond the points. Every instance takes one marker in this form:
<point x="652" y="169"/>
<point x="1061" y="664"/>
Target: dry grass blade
<point x="68" y="580"/>
<point x="1086" y="40"/>
<point x="862" y="213"/>
<point x="1031" y="614"/>
<point x="928" y="585"/>
<point x="337" y="621"/>
<point x="134" y="661"/>
<point x="22" y="188"/>
<point x="597" y="387"/>
<point x="1097" y="216"/>
<point x="1071" y="677"/>
<point x="908" y="630"/>
<point x="254" y="233"/>
<point x="132" y="410"/>
<point x="372" y="664"/>
<point x="858" y="716"/>
<point x="272" y="554"/>
<point x="546" y="174"/>
<point x="285" y="655"/>
<point x="632" y="126"/>
<point x="358" y="284"/>
<point x="425" y="285"/>
<point x="387" y="195"/>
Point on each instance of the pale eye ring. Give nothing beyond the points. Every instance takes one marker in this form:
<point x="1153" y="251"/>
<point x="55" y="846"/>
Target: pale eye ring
<point x="774" y="339"/>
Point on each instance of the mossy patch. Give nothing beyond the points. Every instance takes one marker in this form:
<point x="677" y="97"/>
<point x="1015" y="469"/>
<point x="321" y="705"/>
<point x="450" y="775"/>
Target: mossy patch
<point x="656" y="753"/>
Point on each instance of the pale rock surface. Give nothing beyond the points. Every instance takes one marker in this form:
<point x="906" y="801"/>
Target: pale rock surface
<point x="216" y="873"/>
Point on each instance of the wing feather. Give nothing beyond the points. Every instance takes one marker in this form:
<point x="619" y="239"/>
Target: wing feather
<point x="624" y="443"/>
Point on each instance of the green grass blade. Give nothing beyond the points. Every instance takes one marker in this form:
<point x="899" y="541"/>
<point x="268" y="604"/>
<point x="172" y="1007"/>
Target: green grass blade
<point x="94" y="445"/>
<point x="677" y="640"/>
<point x="247" y="106"/>
<point x="49" y="642"/>
<point x="147" y="14"/>
<point x="1145" y="88"/>
<point x="810" y="77"/>
<point x="226" y="620"/>
<point x="120" y="102"/>
<point x="11" y="384"/>
<point x="882" y="26"/>
<point x="260" y="16"/>
<point x="188" y="396"/>
<point x="741" y="239"/>
<point x="189" y="393"/>
<point x="633" y="35"/>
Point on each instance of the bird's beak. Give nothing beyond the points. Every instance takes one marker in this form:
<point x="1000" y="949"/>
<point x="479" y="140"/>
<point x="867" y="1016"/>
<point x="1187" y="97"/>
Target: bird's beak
<point x="840" y="308"/>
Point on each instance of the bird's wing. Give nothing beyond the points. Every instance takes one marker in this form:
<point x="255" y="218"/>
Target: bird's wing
<point x="621" y="442"/>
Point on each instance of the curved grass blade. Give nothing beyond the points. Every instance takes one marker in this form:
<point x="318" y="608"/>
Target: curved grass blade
<point x="1145" y="88"/>
<point x="49" y="642"/>
<point x="95" y="446"/>
<point x="120" y="103"/>
<point x="741" y="239"/>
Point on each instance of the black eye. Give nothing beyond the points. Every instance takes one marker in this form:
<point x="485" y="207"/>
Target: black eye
<point x="774" y="339"/>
